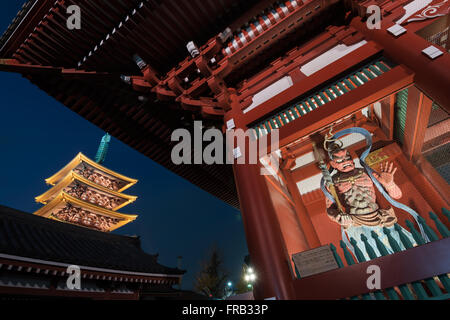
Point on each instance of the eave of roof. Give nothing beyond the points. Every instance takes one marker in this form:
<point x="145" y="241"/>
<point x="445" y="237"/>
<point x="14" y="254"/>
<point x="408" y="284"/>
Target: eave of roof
<point x="63" y="197"/>
<point x="32" y="237"/>
<point x="30" y="13"/>
<point x="72" y="176"/>
<point x="79" y="158"/>
<point x="59" y="264"/>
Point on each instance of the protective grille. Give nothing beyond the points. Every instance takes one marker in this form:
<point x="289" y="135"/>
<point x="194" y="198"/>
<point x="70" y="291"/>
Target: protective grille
<point x="440" y="160"/>
<point x="400" y="115"/>
<point x="327" y="94"/>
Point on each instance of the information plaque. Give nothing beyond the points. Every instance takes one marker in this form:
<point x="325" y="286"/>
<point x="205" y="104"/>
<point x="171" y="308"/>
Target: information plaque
<point x="314" y="261"/>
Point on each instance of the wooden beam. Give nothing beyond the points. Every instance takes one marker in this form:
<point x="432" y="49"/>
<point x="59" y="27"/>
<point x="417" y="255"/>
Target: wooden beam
<point x="52" y="292"/>
<point x="388" y="83"/>
<point x="387" y="116"/>
<point x="417" y="117"/>
<point x="422" y="180"/>
<point x="312" y="82"/>
<point x="23" y="29"/>
<point x="436" y="181"/>
<point x="402" y="267"/>
<point x="431" y="76"/>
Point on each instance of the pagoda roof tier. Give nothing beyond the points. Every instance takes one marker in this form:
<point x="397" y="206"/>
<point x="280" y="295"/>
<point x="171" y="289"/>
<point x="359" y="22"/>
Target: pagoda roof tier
<point x="73" y="177"/>
<point x="81" y="158"/>
<point x="116" y="220"/>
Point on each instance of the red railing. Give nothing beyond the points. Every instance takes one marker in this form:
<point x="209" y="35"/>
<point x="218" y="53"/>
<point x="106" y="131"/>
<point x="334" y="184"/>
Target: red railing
<point x="415" y="264"/>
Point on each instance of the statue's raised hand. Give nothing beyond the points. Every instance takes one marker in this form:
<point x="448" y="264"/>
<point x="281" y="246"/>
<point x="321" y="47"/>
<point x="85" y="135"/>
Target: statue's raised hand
<point x="387" y="171"/>
<point x="346" y="220"/>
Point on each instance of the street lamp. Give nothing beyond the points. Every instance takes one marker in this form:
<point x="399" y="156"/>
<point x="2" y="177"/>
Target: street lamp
<point x="250" y="277"/>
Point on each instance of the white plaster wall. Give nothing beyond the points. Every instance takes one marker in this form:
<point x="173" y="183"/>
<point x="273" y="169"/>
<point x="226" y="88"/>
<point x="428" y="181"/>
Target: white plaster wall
<point x="309" y="184"/>
<point x="377" y="110"/>
<point x="365" y="112"/>
<point x="329" y="57"/>
<point x="269" y="92"/>
<point x="308" y="69"/>
<point x="303" y="160"/>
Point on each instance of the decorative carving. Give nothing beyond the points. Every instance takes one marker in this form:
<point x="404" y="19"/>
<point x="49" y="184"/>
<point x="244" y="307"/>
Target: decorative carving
<point x="85" y="218"/>
<point x="89" y="195"/>
<point x="374" y="157"/>
<point x="432" y="11"/>
<point x="99" y="179"/>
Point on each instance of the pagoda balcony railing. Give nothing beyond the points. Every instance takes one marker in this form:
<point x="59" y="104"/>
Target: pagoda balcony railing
<point x="417" y="273"/>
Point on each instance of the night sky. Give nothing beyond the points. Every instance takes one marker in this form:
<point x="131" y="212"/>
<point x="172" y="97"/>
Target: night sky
<point x="38" y="136"/>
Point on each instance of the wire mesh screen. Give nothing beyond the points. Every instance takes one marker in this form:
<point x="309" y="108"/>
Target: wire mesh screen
<point x="439" y="159"/>
<point x="437" y="115"/>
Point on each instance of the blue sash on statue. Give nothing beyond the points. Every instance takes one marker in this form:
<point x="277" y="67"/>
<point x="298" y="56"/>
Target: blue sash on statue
<point x="369" y="171"/>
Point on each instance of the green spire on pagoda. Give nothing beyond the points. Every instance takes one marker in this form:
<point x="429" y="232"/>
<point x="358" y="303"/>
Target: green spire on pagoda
<point x="102" y="149"/>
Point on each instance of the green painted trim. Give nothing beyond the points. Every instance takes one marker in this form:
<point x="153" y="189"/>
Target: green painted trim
<point x="400" y="115"/>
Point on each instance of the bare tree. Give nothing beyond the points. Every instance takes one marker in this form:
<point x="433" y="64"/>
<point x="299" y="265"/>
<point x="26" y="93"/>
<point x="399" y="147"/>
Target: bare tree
<point x="210" y="281"/>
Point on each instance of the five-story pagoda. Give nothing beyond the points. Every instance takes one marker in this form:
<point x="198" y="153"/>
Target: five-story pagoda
<point x="88" y="194"/>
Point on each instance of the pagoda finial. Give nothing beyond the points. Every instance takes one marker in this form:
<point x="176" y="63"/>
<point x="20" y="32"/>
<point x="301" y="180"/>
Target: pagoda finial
<point x="103" y="149"/>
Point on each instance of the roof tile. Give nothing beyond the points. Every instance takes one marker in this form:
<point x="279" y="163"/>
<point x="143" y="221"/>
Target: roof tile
<point x="26" y="235"/>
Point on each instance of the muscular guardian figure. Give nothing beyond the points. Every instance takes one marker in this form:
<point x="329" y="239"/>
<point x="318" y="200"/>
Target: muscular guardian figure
<point x="356" y="192"/>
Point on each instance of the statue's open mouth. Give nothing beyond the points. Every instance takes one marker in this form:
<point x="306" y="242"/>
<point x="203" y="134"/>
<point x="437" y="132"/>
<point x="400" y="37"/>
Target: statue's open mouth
<point x="347" y="165"/>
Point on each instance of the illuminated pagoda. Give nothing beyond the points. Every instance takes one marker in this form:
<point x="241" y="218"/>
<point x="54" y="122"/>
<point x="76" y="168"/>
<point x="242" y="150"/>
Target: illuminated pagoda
<point x="86" y="193"/>
<point x="142" y="69"/>
<point x="73" y="229"/>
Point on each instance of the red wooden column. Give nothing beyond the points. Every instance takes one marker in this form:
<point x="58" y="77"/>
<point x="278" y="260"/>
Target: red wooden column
<point x="387" y="116"/>
<point x="263" y="233"/>
<point x="262" y="228"/>
<point x="436" y="188"/>
<point x="302" y="213"/>
<point x="417" y="116"/>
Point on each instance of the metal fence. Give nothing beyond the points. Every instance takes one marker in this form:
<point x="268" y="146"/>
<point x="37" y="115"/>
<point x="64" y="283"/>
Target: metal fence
<point x="434" y="288"/>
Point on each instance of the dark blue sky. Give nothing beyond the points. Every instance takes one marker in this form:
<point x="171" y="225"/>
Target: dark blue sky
<point x="38" y="136"/>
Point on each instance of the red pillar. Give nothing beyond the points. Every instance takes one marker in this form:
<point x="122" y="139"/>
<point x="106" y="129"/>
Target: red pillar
<point x="263" y="233"/>
<point x="387" y="118"/>
<point x="264" y="240"/>
<point x="417" y="117"/>
<point x="302" y="213"/>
